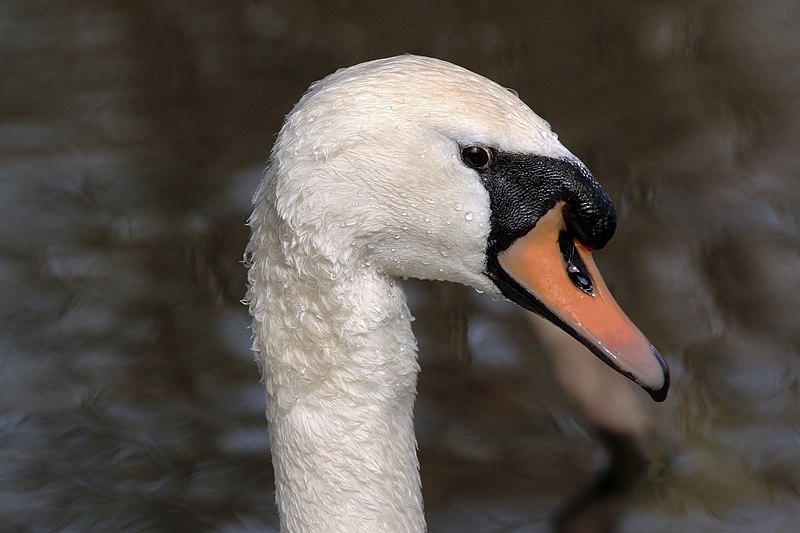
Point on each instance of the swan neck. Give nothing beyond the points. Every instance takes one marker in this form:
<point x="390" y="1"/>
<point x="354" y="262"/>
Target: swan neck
<point x="339" y="363"/>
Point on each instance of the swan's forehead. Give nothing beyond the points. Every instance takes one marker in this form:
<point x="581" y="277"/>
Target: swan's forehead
<point x="456" y="102"/>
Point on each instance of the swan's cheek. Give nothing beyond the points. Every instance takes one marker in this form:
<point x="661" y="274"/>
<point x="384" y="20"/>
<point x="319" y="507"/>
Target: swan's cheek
<point x="447" y="243"/>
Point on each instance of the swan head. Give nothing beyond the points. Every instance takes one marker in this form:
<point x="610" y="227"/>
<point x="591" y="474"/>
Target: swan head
<point x="414" y="167"/>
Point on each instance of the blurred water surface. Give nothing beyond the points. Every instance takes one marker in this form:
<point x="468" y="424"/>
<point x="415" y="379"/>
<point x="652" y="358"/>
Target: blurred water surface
<point x="132" y="135"/>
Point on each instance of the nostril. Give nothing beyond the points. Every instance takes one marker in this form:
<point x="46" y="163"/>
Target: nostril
<point x="579" y="278"/>
<point x="576" y="269"/>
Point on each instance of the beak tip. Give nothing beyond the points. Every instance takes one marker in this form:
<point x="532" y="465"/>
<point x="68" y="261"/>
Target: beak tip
<point x="659" y="393"/>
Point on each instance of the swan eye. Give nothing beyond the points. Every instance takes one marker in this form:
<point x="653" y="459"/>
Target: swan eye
<point x="477" y="157"/>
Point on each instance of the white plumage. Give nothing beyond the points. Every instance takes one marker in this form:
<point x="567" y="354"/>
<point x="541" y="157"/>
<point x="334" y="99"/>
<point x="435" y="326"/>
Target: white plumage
<point x="366" y="185"/>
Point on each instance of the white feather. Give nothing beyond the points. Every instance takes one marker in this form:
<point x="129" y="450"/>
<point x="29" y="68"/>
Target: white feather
<point x="366" y="185"/>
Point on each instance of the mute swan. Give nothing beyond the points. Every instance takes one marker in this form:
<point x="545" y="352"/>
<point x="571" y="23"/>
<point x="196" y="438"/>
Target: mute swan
<point x="407" y="167"/>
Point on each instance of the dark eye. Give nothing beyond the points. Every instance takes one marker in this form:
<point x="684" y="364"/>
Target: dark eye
<point x="476" y="157"/>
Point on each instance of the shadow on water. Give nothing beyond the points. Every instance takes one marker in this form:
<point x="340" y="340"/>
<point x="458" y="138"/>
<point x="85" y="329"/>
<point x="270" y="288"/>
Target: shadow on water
<point x="133" y="135"/>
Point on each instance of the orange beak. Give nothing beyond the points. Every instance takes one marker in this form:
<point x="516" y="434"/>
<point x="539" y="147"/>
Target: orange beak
<point x="549" y="272"/>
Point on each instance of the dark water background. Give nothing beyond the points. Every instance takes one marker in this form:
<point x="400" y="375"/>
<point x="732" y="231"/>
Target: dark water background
<point x="132" y="135"/>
